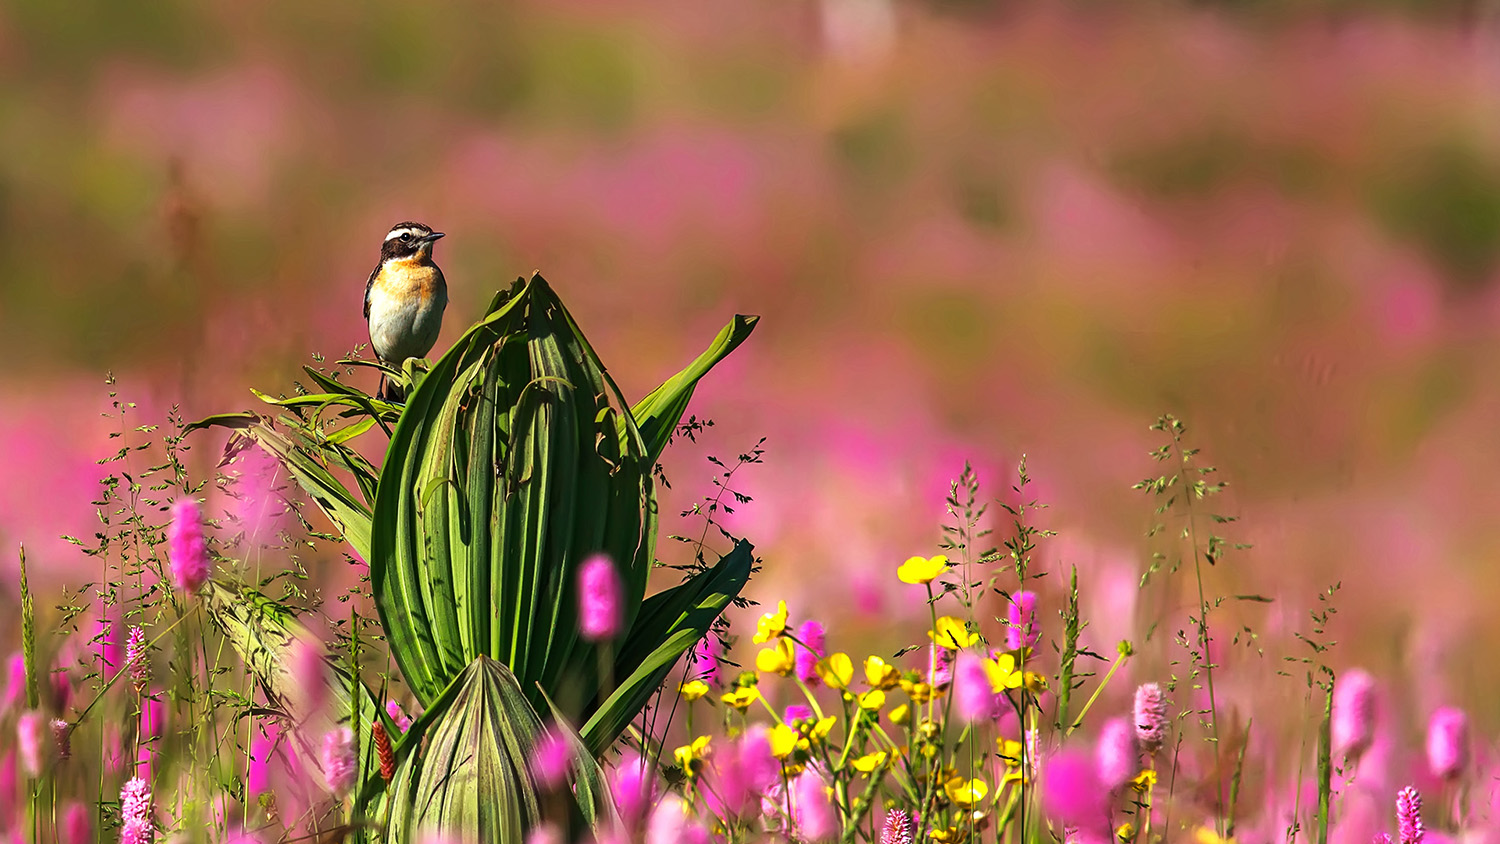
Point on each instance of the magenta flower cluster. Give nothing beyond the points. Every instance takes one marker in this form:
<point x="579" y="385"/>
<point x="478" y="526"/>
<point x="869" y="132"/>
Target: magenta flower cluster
<point x="1150" y="718"/>
<point x="601" y="610"/>
<point x="811" y="635"/>
<point x="338" y="758"/>
<point x="1021" y="630"/>
<point x="187" y="550"/>
<point x="1409" y="829"/>
<point x="137" y="825"/>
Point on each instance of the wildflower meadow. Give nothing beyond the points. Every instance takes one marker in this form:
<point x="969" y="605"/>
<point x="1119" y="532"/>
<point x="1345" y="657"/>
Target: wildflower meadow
<point x="878" y="421"/>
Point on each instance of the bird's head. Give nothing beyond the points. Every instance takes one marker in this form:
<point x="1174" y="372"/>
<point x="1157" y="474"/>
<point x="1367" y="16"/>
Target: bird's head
<point x="409" y="240"/>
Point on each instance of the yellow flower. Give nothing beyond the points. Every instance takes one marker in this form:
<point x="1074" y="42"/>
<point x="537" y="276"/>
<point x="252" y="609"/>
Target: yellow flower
<point x="952" y="633"/>
<point x="870" y="761"/>
<point x="785" y="740"/>
<point x="1035" y="683"/>
<point x="821" y="729"/>
<point x="1002" y="673"/>
<point x="692" y="690"/>
<point x="1125" y="832"/>
<point x="900" y="715"/>
<point x="1010" y="751"/>
<point x="1144" y="780"/>
<point x="919" y="692"/>
<point x="742" y="697"/>
<point x="1204" y="835"/>
<point x="837" y="670"/>
<point x="777" y="659"/>
<point x="879" y="674"/>
<point x="918" y="570"/>
<point x="872" y="700"/>
<point x="771" y="625"/>
<point x="689" y="756"/>
<point x="965" y="792"/>
<point x="950" y="835"/>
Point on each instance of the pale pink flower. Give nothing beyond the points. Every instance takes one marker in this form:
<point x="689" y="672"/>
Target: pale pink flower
<point x="899" y="828"/>
<point x="1409" y="816"/>
<point x="973" y="697"/>
<point x="1021" y="629"/>
<point x="187" y="550"/>
<point x="138" y="659"/>
<point x="77" y="825"/>
<point x="812" y="812"/>
<point x="138" y="826"/>
<point x="1150" y="717"/>
<point x="29" y="742"/>
<point x="1117" y="756"/>
<point x="338" y="758"/>
<point x="1448" y="743"/>
<point x="601" y="611"/>
<point x="403" y="721"/>
<point x="551" y="759"/>
<point x="634" y="786"/>
<point x="1353" y="722"/>
<point x="62" y="738"/>
<point x="810" y="634"/>
<point x="671" y="823"/>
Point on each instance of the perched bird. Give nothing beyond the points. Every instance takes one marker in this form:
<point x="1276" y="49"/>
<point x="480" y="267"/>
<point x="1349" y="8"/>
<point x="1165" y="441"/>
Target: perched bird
<point x="404" y="299"/>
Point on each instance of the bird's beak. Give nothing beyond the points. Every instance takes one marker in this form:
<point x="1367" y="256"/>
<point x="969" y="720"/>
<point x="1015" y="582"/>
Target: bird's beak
<point x="431" y="237"/>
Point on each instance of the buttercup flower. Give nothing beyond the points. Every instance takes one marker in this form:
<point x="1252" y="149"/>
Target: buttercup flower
<point x="741" y="698"/>
<point x="870" y="761"/>
<point x="770" y="625"/>
<point x="965" y="792"/>
<point x="880" y="675"/>
<point x="920" y="570"/>
<point x="776" y="659"/>
<point x="690" y="756"/>
<point x="872" y="700"/>
<point x="952" y="633"/>
<point x="785" y="741"/>
<point x="692" y="690"/>
<point x="1003" y="673"/>
<point x="837" y="670"/>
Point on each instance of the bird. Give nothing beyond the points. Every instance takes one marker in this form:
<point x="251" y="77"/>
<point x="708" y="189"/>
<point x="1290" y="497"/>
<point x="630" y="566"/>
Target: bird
<point x="404" y="299"/>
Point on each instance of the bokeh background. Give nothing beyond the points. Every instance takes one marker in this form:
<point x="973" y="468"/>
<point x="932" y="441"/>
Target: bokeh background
<point x="973" y="230"/>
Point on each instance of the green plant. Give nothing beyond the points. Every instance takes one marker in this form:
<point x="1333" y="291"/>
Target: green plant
<point x="514" y="457"/>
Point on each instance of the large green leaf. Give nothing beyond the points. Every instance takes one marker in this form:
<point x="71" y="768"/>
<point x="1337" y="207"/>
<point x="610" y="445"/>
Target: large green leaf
<point x="514" y="460"/>
<point x="658" y="413"/>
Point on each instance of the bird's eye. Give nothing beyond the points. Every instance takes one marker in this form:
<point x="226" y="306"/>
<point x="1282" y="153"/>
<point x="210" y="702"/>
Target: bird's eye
<point x="406" y="237"/>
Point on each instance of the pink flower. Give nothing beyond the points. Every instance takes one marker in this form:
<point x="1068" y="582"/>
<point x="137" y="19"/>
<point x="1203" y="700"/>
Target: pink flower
<point x="797" y="712"/>
<point x="187" y="550"/>
<point x="671" y="823"/>
<point x="138" y="660"/>
<point x="62" y="738"/>
<point x="973" y="696"/>
<point x="941" y="661"/>
<point x="1150" y="717"/>
<point x="137" y="826"/>
<point x="1448" y="743"/>
<point x="393" y="709"/>
<point x="77" y="825"/>
<point x="1071" y="791"/>
<point x="899" y="828"/>
<point x="545" y="833"/>
<point x="1021" y="630"/>
<point x="551" y="759"/>
<point x="62" y="689"/>
<point x="634" y="788"/>
<point x="107" y="643"/>
<point x="258" y="777"/>
<point x="1353" y="723"/>
<point x="307" y="668"/>
<point x="812" y="813"/>
<point x="153" y="717"/>
<point x="1409" y="816"/>
<point x="1116" y="754"/>
<point x="29" y="729"/>
<point x="810" y="634"/>
<point x="600" y="610"/>
<point x="338" y="758"/>
<point x="739" y="775"/>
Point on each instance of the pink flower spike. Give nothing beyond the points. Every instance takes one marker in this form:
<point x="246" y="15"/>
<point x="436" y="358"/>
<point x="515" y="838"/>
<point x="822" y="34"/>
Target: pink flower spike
<point x="941" y="661"/>
<point x="62" y="738"/>
<point x="339" y="768"/>
<point x="551" y="759"/>
<point x="15" y="690"/>
<point x="797" y="712"/>
<point x="138" y="659"/>
<point x="29" y="729"/>
<point x="1071" y="791"/>
<point x="810" y="633"/>
<point x="1448" y="743"/>
<point x="634" y="788"/>
<point x="393" y="709"/>
<point x="1409" y="816"/>
<point x="812" y="813"/>
<point x="78" y="825"/>
<point x="671" y="823"/>
<point x="601" y="613"/>
<point x="1150" y="718"/>
<point x="187" y="550"/>
<point x="1021" y="630"/>
<point x="703" y="660"/>
<point x="1117" y="756"/>
<point x="138" y="826"/>
<point x="1353" y="723"/>
<point x="973" y="696"/>
<point x="899" y="828"/>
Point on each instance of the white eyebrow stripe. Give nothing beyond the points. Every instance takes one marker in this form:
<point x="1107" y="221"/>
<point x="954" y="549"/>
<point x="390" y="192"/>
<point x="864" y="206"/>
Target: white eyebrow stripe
<point x="395" y="233"/>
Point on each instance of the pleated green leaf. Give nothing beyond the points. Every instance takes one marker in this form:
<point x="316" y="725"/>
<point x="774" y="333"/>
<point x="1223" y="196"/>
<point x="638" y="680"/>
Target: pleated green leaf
<point x="474" y="779"/>
<point x="659" y="412"/>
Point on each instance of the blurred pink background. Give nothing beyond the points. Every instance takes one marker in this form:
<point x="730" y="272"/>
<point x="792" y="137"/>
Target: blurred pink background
<point x="973" y="232"/>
